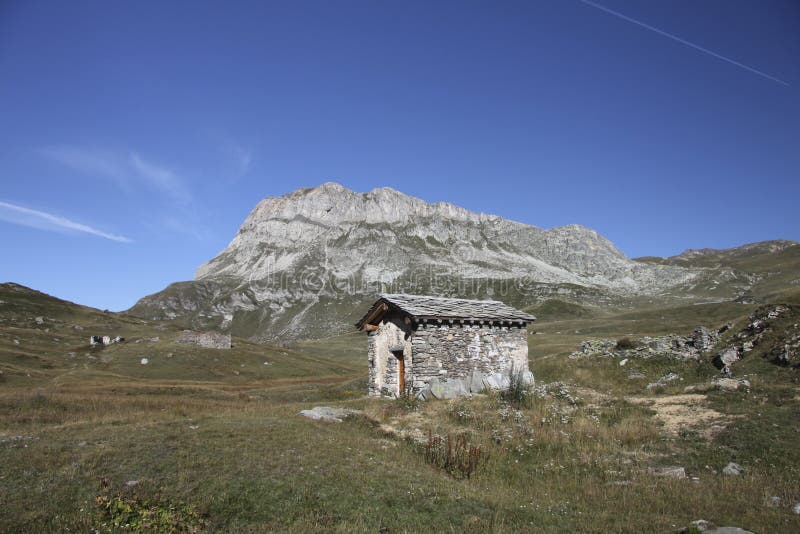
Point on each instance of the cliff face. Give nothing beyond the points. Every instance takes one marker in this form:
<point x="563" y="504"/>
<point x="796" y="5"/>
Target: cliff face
<point x="383" y="234"/>
<point x="302" y="265"/>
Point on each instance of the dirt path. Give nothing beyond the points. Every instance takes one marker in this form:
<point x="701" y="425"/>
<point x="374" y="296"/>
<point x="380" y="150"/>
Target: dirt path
<point x="688" y="412"/>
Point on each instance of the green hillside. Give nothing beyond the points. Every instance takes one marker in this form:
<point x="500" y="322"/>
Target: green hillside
<point x="209" y="440"/>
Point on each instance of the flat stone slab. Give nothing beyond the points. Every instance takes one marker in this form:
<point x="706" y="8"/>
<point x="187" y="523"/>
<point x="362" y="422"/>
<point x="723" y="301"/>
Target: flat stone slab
<point x="326" y="413"/>
<point x="669" y="472"/>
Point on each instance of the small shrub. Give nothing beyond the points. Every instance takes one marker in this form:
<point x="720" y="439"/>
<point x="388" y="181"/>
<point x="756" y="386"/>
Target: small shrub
<point x="626" y="343"/>
<point x="407" y="402"/>
<point x="460" y="411"/>
<point x="132" y="513"/>
<point x="457" y="457"/>
<point x="518" y="393"/>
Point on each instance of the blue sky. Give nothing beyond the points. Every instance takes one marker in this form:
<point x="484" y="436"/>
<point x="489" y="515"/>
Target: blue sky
<point x="136" y="136"/>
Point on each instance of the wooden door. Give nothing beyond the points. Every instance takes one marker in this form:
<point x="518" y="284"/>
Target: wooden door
<point x="401" y="375"/>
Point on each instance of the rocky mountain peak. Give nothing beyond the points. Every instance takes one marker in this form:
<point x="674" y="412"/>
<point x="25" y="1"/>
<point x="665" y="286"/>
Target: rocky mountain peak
<point x="317" y="248"/>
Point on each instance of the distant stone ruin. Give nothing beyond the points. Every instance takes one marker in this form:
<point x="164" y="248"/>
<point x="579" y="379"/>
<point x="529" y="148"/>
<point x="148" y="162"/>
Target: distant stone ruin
<point x="104" y="340"/>
<point x="209" y="340"/>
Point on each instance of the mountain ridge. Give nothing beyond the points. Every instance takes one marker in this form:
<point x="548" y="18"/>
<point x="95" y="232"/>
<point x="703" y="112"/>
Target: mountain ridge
<point x="302" y="264"/>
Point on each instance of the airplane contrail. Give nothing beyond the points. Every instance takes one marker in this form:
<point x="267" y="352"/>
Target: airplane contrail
<point x="51" y="221"/>
<point x="683" y="41"/>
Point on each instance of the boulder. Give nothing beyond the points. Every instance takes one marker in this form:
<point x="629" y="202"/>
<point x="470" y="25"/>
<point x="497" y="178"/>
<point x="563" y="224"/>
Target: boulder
<point x="453" y="388"/>
<point x="663" y="381"/>
<point x="704" y="339"/>
<point x="497" y="381"/>
<point x="732" y="469"/>
<point x="527" y="378"/>
<point x="669" y="472"/>
<point x="476" y="382"/>
<point x="731" y="384"/>
<point x="326" y="413"/>
<point x="436" y="388"/>
<point x="724" y="359"/>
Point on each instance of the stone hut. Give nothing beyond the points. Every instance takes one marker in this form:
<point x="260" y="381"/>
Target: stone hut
<point x="443" y="347"/>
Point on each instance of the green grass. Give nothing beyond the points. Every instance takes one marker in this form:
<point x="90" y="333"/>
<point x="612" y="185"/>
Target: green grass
<point x="211" y="439"/>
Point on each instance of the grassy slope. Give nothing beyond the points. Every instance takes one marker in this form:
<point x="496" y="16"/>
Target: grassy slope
<point x="774" y="271"/>
<point x="191" y="430"/>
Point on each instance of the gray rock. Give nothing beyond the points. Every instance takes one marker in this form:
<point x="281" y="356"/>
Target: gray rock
<point x="497" y="381"/>
<point x="796" y="509"/>
<point x="453" y="388"/>
<point x="326" y="413"/>
<point x="663" y="381"/>
<point x="731" y="384"/>
<point x="727" y="530"/>
<point x="669" y="472"/>
<point x="704" y="339"/>
<point x="726" y="358"/>
<point x="732" y="469"/>
<point x="527" y="378"/>
<point x="436" y="388"/>
<point x="701" y="524"/>
<point x="476" y="382"/>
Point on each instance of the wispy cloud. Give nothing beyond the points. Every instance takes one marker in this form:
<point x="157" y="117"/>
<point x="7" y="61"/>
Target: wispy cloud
<point x="47" y="221"/>
<point x="93" y="162"/>
<point x="683" y="41"/>
<point x="126" y="169"/>
<point x="239" y="157"/>
<point x="161" y="178"/>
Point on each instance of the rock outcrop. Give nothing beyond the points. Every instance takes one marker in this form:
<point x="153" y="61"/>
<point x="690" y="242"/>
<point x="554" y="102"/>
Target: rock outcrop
<point x="770" y="329"/>
<point x="674" y="347"/>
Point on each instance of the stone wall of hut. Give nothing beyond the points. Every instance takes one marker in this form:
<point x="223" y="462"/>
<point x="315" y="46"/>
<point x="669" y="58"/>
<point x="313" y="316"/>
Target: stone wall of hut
<point x="444" y="360"/>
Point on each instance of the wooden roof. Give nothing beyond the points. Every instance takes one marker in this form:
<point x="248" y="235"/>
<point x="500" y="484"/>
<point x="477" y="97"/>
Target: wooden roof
<point x="424" y="308"/>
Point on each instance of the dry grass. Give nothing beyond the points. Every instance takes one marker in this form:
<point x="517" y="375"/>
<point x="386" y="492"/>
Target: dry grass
<point x="187" y="431"/>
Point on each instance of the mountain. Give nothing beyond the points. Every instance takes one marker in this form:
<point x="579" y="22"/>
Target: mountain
<point x="305" y="264"/>
<point x="763" y="271"/>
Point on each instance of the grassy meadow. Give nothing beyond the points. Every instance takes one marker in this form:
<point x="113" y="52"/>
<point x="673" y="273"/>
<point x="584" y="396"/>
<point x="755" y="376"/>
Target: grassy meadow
<point x="209" y="440"/>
